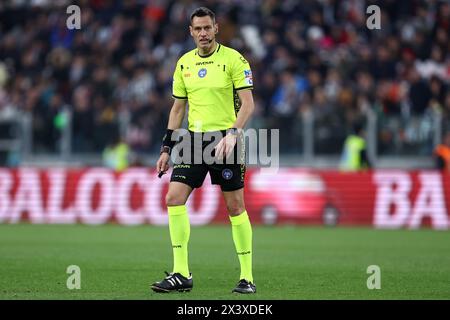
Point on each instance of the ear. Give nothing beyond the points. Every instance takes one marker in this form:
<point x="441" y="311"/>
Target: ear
<point x="190" y="31"/>
<point x="216" y="28"/>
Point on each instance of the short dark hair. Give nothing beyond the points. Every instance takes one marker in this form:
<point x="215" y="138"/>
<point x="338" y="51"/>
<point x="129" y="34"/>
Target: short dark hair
<point x="357" y="127"/>
<point x="203" y="12"/>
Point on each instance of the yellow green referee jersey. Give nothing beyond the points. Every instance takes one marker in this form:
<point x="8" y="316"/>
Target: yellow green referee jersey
<point x="210" y="84"/>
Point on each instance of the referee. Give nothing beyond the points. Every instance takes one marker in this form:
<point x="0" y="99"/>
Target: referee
<point x="217" y="83"/>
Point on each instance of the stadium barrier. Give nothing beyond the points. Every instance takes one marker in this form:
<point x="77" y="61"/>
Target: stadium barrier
<point x="380" y="198"/>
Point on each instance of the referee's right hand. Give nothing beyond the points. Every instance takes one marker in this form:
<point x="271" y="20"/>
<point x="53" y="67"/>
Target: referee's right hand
<point x="163" y="163"/>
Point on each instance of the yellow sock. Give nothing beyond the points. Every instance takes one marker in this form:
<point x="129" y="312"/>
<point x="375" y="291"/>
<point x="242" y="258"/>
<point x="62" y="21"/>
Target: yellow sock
<point x="180" y="230"/>
<point x="242" y="237"/>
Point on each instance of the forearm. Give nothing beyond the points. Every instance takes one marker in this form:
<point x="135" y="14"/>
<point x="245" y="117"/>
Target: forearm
<point x="243" y="115"/>
<point x="176" y="117"/>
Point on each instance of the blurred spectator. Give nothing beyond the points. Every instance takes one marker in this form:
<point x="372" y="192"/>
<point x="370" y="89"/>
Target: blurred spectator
<point x="116" y="155"/>
<point x="354" y="155"/>
<point x="419" y="92"/>
<point x="441" y="154"/>
<point x="314" y="55"/>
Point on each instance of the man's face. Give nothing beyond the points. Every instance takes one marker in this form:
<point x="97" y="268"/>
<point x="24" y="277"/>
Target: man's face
<point x="203" y="30"/>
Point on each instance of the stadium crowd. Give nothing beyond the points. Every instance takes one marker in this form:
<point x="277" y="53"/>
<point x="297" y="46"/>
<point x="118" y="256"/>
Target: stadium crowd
<point x="308" y="57"/>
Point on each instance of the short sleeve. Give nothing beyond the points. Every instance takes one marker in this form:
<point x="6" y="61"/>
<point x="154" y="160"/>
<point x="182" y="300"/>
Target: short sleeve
<point x="178" y="88"/>
<point x="241" y="74"/>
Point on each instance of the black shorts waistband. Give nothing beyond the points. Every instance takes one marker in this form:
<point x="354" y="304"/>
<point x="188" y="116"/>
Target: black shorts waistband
<point x="223" y="132"/>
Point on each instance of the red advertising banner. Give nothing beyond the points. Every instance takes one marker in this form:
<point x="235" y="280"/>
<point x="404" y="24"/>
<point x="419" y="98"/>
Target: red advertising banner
<point x="381" y="198"/>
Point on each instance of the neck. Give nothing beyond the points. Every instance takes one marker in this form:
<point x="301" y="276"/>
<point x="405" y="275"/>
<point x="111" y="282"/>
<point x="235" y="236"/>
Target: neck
<point x="206" y="51"/>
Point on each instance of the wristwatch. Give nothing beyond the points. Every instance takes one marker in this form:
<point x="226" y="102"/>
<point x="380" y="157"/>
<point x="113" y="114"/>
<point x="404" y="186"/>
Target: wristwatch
<point x="166" y="149"/>
<point x="233" y="131"/>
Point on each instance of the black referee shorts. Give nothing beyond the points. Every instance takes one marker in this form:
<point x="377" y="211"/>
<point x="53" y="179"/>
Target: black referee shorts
<point x="230" y="176"/>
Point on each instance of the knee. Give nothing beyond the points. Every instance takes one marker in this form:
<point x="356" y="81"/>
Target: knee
<point x="235" y="208"/>
<point x="174" y="200"/>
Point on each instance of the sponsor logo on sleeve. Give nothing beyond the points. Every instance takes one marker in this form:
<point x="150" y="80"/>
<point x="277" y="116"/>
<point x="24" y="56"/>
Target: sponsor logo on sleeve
<point x="248" y="77"/>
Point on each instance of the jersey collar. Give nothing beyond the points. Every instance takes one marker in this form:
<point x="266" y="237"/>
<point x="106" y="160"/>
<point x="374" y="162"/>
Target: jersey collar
<point x="209" y="55"/>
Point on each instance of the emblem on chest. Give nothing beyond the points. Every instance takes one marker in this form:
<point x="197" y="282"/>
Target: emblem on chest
<point x="202" y="72"/>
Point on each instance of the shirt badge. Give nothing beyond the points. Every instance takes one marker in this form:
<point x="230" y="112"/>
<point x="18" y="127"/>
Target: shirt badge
<point x="202" y="72"/>
<point x="248" y="77"/>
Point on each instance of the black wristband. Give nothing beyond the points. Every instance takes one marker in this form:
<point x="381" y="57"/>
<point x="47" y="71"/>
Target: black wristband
<point x="167" y="140"/>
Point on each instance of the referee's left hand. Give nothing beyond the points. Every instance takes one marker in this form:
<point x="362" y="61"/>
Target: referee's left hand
<point x="225" y="146"/>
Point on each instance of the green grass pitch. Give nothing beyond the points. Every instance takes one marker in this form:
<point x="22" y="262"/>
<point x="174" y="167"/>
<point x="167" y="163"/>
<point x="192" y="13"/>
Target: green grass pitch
<point x="290" y="262"/>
